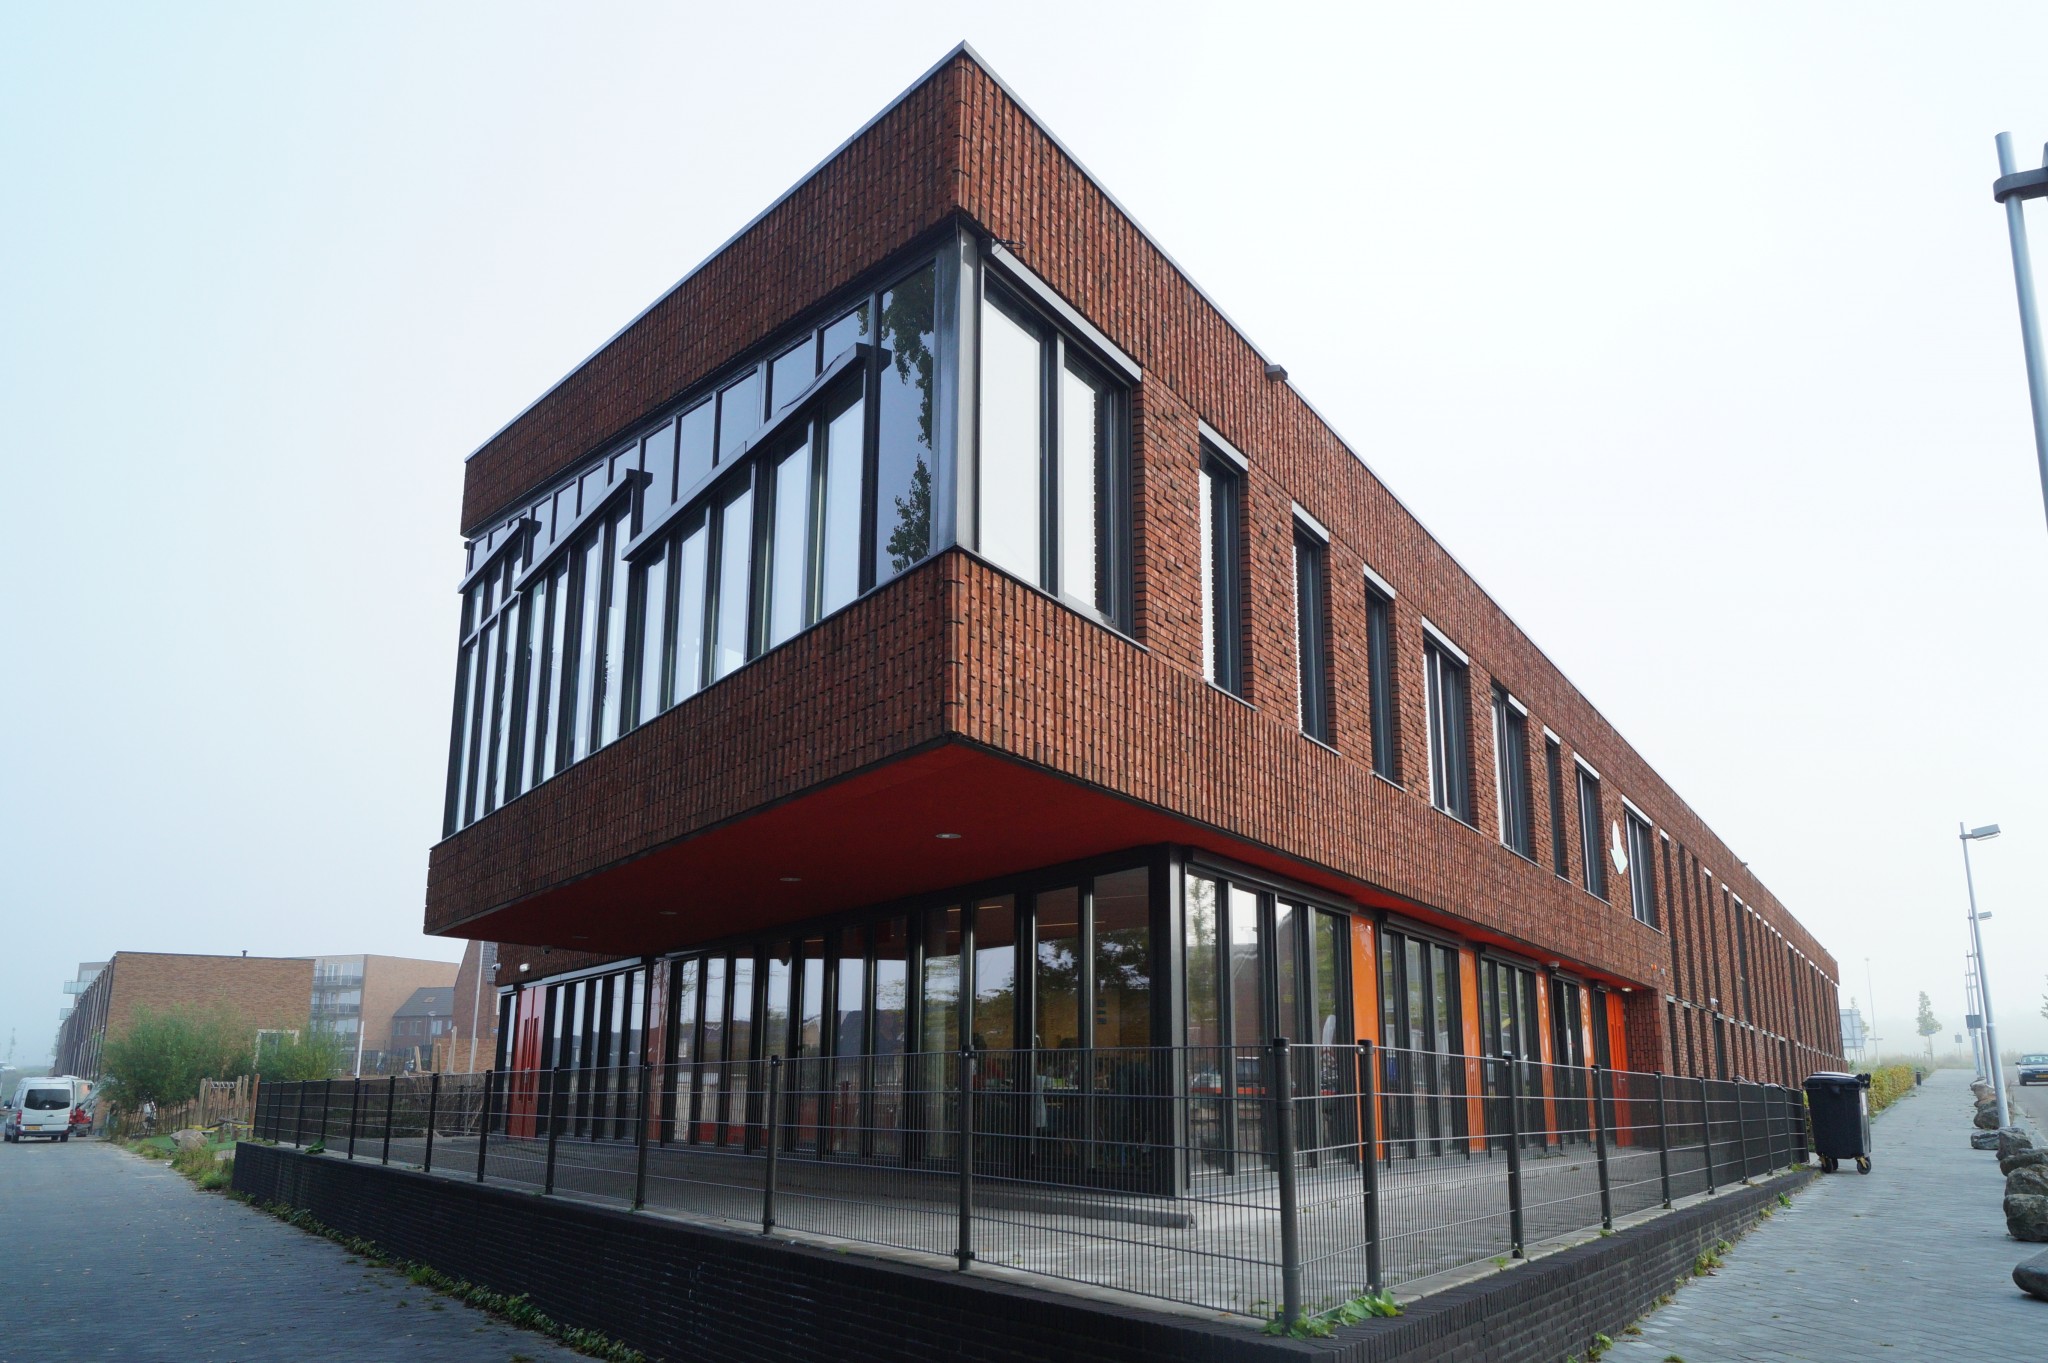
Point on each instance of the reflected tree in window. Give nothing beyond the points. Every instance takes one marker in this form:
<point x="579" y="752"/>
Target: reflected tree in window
<point x="903" y="460"/>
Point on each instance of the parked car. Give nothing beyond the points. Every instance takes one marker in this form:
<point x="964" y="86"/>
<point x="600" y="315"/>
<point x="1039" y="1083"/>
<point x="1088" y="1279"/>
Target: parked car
<point x="41" y="1107"/>
<point x="2034" y="1067"/>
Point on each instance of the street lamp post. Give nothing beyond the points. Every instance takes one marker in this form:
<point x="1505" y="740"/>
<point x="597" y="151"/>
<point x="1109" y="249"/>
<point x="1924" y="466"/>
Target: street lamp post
<point x="1968" y="836"/>
<point x="2013" y="188"/>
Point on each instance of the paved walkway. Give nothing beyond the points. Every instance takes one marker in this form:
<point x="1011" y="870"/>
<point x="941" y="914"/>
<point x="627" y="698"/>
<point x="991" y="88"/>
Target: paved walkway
<point x="107" y="1255"/>
<point x="1911" y="1262"/>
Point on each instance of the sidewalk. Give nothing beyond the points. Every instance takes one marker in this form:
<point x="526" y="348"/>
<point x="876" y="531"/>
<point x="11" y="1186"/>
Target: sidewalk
<point x="1910" y="1262"/>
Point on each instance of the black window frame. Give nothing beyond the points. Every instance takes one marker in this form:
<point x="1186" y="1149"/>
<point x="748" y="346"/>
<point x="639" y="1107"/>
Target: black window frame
<point x="1312" y="632"/>
<point x="1512" y="795"/>
<point x="1592" y="823"/>
<point x="1642" y="875"/>
<point x="1447" y="693"/>
<point x="1383" y="709"/>
<point x="1553" y="773"/>
<point x="1223" y="623"/>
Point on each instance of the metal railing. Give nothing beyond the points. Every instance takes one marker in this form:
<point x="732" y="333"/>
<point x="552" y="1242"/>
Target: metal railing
<point x="1276" y="1181"/>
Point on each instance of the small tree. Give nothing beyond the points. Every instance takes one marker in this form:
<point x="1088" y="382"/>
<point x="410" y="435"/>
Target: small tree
<point x="160" y="1057"/>
<point x="317" y="1053"/>
<point x="1927" y="1026"/>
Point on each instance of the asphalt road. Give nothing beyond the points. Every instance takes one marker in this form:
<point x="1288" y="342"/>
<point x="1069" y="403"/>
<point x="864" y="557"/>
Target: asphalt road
<point x="2032" y="1099"/>
<point x="105" y="1255"/>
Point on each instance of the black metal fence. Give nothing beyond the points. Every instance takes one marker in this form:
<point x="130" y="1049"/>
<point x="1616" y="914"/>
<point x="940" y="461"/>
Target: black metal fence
<point x="1231" y="1178"/>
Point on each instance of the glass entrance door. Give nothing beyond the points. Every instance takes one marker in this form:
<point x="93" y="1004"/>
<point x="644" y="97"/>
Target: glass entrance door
<point x="1422" y="1072"/>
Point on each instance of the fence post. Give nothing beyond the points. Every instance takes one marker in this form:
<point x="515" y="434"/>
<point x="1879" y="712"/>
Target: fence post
<point x="640" y="1126"/>
<point x="299" y="1118"/>
<point x="554" y="1126"/>
<point x="1600" y="1082"/>
<point x="1369" y="1159"/>
<point x="433" y="1108"/>
<point x="483" y="1124"/>
<point x="1663" y="1144"/>
<point x="390" y="1101"/>
<point x="355" y="1114"/>
<point x="774" y="1143"/>
<point x="1514" y="1155"/>
<point x="1707" y="1131"/>
<point x="1281" y="1086"/>
<point x="965" y="1252"/>
<point x="326" y="1106"/>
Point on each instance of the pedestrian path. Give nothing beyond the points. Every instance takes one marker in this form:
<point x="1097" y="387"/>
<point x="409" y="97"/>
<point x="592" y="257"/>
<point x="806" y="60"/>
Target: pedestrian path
<point x="1909" y="1262"/>
<point x="112" y="1256"/>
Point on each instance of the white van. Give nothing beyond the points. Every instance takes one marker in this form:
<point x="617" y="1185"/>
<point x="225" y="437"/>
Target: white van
<point x="41" y="1107"/>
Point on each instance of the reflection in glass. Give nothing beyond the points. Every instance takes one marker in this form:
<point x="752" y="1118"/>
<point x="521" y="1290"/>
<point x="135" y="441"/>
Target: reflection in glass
<point x="850" y="1043"/>
<point x="658" y="457"/>
<point x="505" y="772"/>
<point x="654" y="641"/>
<point x="792" y="372"/>
<point x="886" y="1038"/>
<point x="735" y="523"/>
<point x="739" y="1048"/>
<point x="612" y="685"/>
<point x="1080" y="481"/>
<point x="775" y="1009"/>
<point x="689" y="610"/>
<point x="789" y="543"/>
<point x="1247" y="994"/>
<point x="711" y="1049"/>
<point x="538" y="619"/>
<point x="1205" y="1020"/>
<point x="942" y="980"/>
<point x="839" y="550"/>
<point x="848" y="330"/>
<point x="903" y="487"/>
<point x="589" y="595"/>
<point x="807" y="1078"/>
<point x="1123" y="959"/>
<point x="1286" y="930"/>
<point x="1057" y="969"/>
<point x="1012" y="442"/>
<point x="557" y="665"/>
<point x="995" y="974"/>
<point x="693" y="446"/>
<point x="739" y="413"/>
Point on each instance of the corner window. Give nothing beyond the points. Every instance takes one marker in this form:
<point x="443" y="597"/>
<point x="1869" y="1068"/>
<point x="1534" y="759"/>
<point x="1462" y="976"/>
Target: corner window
<point x="1379" y="663"/>
<point x="1511" y="773"/>
<point x="1311" y="634"/>
<point x="1642" y="882"/>
<point x="1450" y="736"/>
<point x="1591" y="824"/>
<point x="1050" y="495"/>
<point x="1222" y="591"/>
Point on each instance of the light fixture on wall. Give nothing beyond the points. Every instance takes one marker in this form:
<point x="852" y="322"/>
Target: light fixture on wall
<point x="947" y="837"/>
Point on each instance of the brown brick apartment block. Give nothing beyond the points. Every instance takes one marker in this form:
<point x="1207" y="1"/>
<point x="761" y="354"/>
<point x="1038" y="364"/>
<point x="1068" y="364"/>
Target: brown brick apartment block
<point x="263" y="991"/>
<point x="935" y="597"/>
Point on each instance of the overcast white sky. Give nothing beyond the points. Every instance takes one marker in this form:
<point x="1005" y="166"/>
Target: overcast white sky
<point x="1690" y="331"/>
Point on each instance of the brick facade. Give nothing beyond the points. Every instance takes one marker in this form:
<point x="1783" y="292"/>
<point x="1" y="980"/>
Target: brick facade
<point x="957" y="653"/>
<point x="262" y="991"/>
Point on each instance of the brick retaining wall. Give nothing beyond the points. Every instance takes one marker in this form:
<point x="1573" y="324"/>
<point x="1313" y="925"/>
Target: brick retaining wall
<point x="677" y="1291"/>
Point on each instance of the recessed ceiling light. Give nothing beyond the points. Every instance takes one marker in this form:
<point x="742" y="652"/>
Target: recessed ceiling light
<point x="578" y="937"/>
<point x="668" y="913"/>
<point x="947" y="837"/>
<point x="792" y="880"/>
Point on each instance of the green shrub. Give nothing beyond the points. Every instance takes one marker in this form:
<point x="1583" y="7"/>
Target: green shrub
<point x="1888" y="1084"/>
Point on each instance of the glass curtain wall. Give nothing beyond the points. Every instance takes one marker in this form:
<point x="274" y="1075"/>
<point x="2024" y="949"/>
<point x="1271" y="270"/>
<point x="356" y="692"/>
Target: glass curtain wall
<point x="1508" y="1029"/>
<point x="1420" y="1023"/>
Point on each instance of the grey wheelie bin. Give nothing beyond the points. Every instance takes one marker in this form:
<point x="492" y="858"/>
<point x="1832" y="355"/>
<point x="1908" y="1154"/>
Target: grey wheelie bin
<point x="1839" y="1106"/>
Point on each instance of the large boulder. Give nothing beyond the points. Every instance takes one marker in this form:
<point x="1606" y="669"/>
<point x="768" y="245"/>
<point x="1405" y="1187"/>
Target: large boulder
<point x="2012" y="1140"/>
<point x="2032" y="1276"/>
<point x="1987" y="1118"/>
<point x="2026" y="1217"/>
<point x="188" y="1139"/>
<point x="2022" y="1159"/>
<point x="1983" y="1140"/>
<point x="2031" y="1181"/>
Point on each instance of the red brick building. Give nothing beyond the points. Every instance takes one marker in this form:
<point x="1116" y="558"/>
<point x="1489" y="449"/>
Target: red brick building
<point x="932" y="621"/>
<point x="264" y="992"/>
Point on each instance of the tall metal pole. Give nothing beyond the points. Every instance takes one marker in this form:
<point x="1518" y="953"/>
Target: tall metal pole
<point x="2012" y="189"/>
<point x="1984" y="985"/>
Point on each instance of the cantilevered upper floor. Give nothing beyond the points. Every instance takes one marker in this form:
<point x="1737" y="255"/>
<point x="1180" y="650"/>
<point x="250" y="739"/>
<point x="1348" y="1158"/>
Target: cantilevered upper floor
<point x="938" y="527"/>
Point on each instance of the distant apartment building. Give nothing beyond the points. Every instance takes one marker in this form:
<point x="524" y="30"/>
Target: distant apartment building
<point x="265" y="992"/>
<point x="355" y="998"/>
<point x="474" y="1043"/>
<point x="88" y="971"/>
<point x="421" y="1029"/>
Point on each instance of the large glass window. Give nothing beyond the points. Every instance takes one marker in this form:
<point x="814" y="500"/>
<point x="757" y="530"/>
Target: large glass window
<point x="1592" y="825"/>
<point x="1123" y="959"/>
<point x="789" y="545"/>
<point x="903" y="448"/>
<point x="1222" y="528"/>
<point x="730" y="595"/>
<point x="1553" y="768"/>
<point x="1511" y="773"/>
<point x="1450" y="761"/>
<point x="1057" y="969"/>
<point x="1642" y="872"/>
<point x="1049" y="489"/>
<point x="1311" y="634"/>
<point x="1379" y="662"/>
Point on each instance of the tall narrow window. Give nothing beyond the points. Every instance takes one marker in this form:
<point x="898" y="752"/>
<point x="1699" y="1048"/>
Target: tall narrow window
<point x="1553" y="767"/>
<point x="1311" y="634"/>
<point x="1642" y="873"/>
<point x="1511" y="773"/>
<point x="903" y="454"/>
<point x="1222" y="594"/>
<point x="1379" y="662"/>
<point x="1592" y="823"/>
<point x="1049" y="490"/>
<point x="789" y="542"/>
<point x="730" y="595"/>
<point x="612" y="718"/>
<point x="1450" y="730"/>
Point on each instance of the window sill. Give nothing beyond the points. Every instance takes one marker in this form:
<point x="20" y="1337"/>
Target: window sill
<point x="1220" y="690"/>
<point x="1454" y="817"/>
<point x="1379" y="776"/>
<point x="1319" y="742"/>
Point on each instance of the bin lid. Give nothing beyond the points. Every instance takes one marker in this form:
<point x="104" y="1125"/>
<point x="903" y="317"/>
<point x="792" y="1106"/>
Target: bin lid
<point x="1832" y="1078"/>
